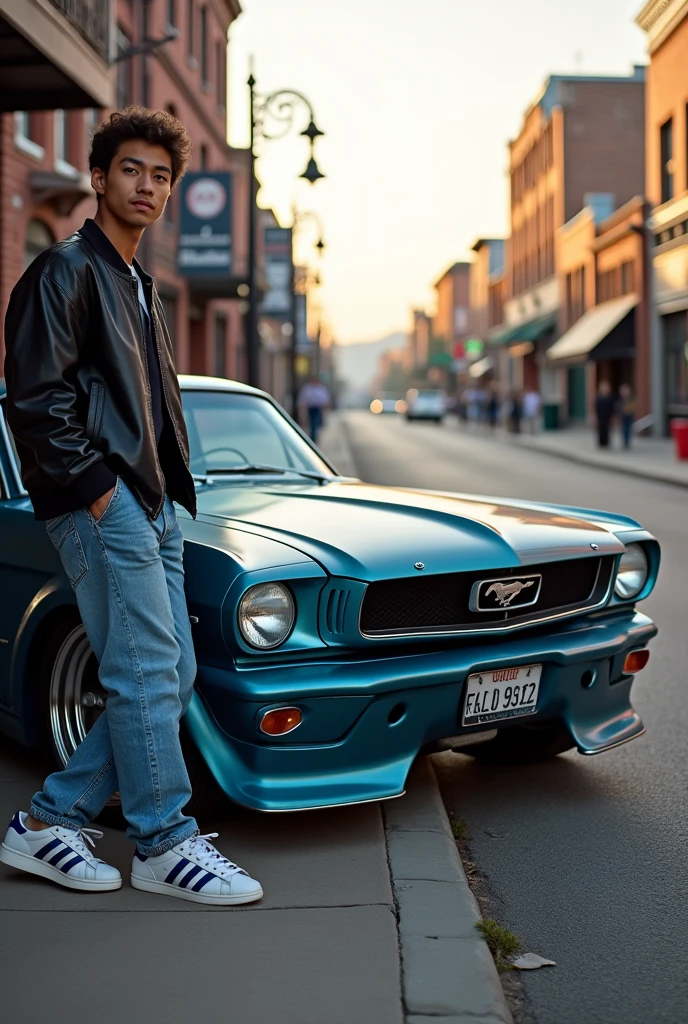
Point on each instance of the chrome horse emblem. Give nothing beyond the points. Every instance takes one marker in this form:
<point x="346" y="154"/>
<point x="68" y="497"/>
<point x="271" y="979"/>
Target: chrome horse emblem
<point x="506" y="592"/>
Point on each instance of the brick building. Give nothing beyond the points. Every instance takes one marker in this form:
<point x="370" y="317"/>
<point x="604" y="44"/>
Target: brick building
<point x="46" y="191"/>
<point x="581" y="142"/>
<point x="605" y="315"/>
<point x="666" y="24"/>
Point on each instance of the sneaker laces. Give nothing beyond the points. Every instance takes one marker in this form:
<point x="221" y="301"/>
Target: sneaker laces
<point x="78" y="839"/>
<point x="210" y="858"/>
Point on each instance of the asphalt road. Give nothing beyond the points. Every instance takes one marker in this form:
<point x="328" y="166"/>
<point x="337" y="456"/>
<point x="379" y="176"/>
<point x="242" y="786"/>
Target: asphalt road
<point x="586" y="858"/>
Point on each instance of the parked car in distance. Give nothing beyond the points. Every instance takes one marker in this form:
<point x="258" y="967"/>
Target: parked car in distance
<point x="387" y="402"/>
<point x="426" y="404"/>
<point x="341" y="628"/>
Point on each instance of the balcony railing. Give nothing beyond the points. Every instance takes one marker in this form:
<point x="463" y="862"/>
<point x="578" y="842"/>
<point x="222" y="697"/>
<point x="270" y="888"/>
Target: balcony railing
<point x="92" y="19"/>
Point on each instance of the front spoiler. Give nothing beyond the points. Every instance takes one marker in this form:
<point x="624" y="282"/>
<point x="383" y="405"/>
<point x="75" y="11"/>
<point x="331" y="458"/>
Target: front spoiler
<point x="371" y="759"/>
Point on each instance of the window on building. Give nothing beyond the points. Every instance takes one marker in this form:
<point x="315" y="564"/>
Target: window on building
<point x="61" y="137"/>
<point x="172" y="13"/>
<point x="38" y="237"/>
<point x="125" y="86"/>
<point x="26" y="134"/>
<point x="627" y="277"/>
<point x="666" y="148"/>
<point x="190" y="28"/>
<point x="205" y="64"/>
<point x="221" y="74"/>
<point x="220" y="345"/>
<point x="203" y="156"/>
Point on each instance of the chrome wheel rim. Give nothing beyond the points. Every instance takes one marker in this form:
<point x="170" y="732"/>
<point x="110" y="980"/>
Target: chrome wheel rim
<point x="76" y="696"/>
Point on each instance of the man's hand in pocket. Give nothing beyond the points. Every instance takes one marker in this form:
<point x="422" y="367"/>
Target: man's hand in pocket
<point x="99" y="506"/>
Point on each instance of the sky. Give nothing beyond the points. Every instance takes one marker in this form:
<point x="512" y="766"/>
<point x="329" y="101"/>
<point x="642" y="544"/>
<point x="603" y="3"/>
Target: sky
<point x="417" y="99"/>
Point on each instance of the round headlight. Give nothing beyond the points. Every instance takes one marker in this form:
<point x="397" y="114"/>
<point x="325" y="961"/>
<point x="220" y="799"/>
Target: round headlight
<point x="266" y="615"/>
<point x="632" y="572"/>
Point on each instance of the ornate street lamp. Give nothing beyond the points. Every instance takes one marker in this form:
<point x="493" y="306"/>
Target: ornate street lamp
<point x="278" y="109"/>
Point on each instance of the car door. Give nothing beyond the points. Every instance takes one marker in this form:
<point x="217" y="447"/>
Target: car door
<point x="27" y="558"/>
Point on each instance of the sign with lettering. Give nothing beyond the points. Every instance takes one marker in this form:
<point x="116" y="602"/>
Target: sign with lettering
<point x="205" y="237"/>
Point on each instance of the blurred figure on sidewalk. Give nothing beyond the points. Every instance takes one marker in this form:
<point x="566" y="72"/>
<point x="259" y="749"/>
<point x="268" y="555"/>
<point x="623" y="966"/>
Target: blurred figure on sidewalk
<point x="626" y="409"/>
<point x="531" y="410"/>
<point x="605" y="407"/>
<point x="492" y="407"/>
<point x="314" y="398"/>
<point x="515" y="412"/>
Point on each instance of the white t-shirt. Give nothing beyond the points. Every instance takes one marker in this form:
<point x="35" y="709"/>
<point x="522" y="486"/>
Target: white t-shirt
<point x="142" y="297"/>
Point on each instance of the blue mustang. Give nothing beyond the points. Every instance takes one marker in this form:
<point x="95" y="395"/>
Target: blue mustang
<point x="341" y="628"/>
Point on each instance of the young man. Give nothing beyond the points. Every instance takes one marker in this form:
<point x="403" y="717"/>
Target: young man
<point x="95" y="408"/>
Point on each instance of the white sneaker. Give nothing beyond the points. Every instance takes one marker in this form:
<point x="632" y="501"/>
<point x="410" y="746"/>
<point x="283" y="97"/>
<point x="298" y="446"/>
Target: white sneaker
<point x="60" y="854"/>
<point x="194" y="870"/>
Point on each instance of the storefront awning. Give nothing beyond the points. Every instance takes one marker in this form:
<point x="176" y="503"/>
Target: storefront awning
<point x="592" y="328"/>
<point x="482" y="367"/>
<point x="529" y="331"/>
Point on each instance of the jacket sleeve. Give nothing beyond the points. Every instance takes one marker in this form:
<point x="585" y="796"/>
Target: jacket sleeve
<point x="43" y="332"/>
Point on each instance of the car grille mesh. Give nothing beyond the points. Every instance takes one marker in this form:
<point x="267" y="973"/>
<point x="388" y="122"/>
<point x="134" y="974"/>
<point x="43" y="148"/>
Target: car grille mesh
<point x="441" y="602"/>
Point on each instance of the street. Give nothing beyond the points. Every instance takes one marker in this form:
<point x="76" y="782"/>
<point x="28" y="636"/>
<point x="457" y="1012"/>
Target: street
<point x="585" y="858"/>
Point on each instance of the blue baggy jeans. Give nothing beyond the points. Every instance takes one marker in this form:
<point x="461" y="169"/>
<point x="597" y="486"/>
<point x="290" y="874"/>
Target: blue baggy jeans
<point x="128" y="576"/>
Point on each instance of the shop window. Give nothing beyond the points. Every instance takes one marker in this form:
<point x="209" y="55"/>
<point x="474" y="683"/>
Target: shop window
<point x="37" y="238"/>
<point x="26" y="134"/>
<point x="666" y="147"/>
<point x="220" y="353"/>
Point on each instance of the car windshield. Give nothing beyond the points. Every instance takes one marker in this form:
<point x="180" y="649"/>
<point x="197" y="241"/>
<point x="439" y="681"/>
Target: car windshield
<point x="229" y="430"/>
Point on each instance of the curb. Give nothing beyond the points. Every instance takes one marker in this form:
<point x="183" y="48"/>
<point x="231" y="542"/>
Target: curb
<point x="334" y="443"/>
<point x="599" y="462"/>
<point x="448" y="974"/>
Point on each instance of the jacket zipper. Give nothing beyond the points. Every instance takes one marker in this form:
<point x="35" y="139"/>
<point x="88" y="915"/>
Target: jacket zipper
<point x="148" y="393"/>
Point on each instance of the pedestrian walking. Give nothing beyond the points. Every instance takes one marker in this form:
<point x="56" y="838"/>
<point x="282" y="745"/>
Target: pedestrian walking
<point x="531" y="410"/>
<point x="515" y="412"/>
<point x="95" y="407"/>
<point x="314" y="398"/>
<point x="626" y="410"/>
<point x="493" y="407"/>
<point x="605" y="407"/>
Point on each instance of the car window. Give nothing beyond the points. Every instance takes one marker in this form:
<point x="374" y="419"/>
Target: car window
<point x="228" y="429"/>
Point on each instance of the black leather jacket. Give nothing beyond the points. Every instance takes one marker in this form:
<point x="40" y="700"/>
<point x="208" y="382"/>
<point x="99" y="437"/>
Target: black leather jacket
<point x="78" y="384"/>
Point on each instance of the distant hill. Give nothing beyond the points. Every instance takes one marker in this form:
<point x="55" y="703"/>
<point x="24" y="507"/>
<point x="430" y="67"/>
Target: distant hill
<point x="357" y="364"/>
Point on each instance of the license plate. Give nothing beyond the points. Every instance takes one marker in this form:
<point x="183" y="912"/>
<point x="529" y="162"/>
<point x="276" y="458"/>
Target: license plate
<point x="501" y="693"/>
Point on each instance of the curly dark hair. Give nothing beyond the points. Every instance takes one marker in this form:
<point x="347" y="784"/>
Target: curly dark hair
<point x="155" y="126"/>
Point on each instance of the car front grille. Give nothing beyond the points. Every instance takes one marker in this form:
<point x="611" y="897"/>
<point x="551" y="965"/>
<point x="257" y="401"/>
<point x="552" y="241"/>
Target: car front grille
<point x="441" y="603"/>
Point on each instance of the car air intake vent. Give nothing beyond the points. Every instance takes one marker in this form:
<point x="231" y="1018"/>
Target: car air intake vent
<point x="442" y="603"/>
<point x="336" y="610"/>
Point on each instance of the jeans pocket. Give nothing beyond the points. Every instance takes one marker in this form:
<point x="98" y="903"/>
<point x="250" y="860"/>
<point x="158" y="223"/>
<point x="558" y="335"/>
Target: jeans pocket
<point x="63" y="534"/>
<point x="109" y="508"/>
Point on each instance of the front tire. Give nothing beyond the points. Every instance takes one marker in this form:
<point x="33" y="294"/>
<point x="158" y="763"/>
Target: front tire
<point x="72" y="698"/>
<point x="523" y="744"/>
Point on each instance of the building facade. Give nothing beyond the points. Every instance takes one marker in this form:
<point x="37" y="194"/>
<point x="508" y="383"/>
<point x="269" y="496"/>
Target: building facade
<point x="45" y="186"/>
<point x="605" y="315"/>
<point x="666" y="24"/>
<point x="581" y="143"/>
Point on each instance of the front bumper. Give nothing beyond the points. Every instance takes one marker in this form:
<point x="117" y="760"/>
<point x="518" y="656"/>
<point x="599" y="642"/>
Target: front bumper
<point x="365" y="720"/>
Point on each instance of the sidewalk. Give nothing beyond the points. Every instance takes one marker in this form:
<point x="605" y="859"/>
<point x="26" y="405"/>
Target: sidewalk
<point x="652" y="458"/>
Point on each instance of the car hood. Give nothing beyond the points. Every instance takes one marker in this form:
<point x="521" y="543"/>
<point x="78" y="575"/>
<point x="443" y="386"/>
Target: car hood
<point x="366" y="532"/>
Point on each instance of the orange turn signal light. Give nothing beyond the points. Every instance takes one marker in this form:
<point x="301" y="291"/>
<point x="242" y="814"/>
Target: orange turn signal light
<point x="280" y="721"/>
<point x="635" y="661"/>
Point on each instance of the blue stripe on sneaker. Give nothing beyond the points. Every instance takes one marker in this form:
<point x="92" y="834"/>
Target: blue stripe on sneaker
<point x="60" y="855"/>
<point x="179" y="866"/>
<point x="202" y="881"/>
<point x="183" y="882"/>
<point x="76" y="859"/>
<point x="45" y="850"/>
<point x="17" y="825"/>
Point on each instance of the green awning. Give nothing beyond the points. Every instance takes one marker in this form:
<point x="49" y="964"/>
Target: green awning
<point x="531" y="330"/>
